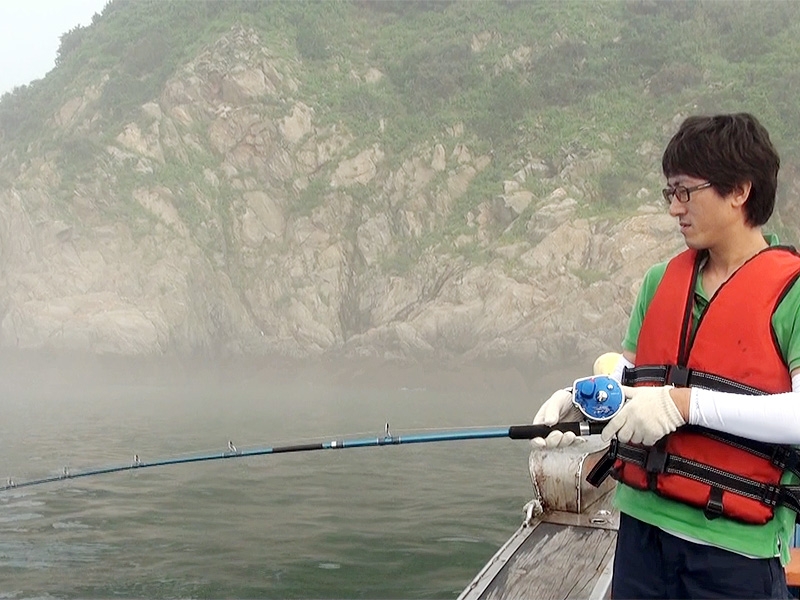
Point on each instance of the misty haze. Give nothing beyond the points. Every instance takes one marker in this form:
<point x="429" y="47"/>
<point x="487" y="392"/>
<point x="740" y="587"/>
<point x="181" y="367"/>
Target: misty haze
<point x="281" y="222"/>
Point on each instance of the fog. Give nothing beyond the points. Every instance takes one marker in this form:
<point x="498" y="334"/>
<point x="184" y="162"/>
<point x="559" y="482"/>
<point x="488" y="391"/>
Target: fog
<point x="266" y="223"/>
<point x="86" y="412"/>
<point x="338" y="523"/>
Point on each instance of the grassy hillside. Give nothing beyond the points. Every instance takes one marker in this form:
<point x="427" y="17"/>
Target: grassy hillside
<point x="547" y="80"/>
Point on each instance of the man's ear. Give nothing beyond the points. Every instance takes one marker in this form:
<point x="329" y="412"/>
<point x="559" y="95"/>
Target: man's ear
<point x="740" y="193"/>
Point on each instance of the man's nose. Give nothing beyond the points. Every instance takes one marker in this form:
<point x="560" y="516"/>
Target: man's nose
<point x="676" y="208"/>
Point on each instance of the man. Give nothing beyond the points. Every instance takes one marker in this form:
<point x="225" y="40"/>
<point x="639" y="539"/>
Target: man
<point x="711" y="360"/>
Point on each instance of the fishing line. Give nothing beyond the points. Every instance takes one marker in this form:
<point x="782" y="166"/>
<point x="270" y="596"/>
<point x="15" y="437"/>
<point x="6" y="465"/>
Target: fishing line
<point x="515" y="432"/>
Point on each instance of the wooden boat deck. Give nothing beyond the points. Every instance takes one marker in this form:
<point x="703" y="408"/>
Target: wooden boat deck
<point x="548" y="561"/>
<point x="567" y="551"/>
<point x="564" y="553"/>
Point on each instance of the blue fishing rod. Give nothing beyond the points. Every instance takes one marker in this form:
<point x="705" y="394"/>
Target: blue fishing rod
<point x="597" y="397"/>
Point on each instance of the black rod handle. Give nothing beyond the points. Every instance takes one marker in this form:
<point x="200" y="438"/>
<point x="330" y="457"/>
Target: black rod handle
<point x="528" y="432"/>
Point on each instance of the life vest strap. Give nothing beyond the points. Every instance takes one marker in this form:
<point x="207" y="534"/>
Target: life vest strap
<point x="790" y="496"/>
<point x="681" y="376"/>
<point x="654" y="460"/>
<point x="784" y="457"/>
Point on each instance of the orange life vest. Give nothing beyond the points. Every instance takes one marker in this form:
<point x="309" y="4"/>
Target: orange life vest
<point x="732" y="348"/>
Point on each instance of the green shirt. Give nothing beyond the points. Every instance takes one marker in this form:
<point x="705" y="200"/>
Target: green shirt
<point x="771" y="539"/>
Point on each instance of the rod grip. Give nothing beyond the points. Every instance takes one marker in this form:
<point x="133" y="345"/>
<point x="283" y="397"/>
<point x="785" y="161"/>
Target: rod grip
<point x="528" y="432"/>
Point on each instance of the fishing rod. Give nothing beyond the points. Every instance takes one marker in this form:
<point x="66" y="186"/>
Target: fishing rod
<point x="515" y="432"/>
<point x="597" y="397"/>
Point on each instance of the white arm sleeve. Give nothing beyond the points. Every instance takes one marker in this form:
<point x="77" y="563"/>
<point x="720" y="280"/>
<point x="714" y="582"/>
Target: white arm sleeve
<point x="621" y="364"/>
<point x="774" y="418"/>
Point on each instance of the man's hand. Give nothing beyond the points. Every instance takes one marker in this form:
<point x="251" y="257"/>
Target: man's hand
<point x="558" y="408"/>
<point x="649" y="413"/>
<point x="556" y="439"/>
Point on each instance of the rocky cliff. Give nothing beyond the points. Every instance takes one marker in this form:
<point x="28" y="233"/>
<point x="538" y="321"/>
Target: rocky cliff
<point x="231" y="217"/>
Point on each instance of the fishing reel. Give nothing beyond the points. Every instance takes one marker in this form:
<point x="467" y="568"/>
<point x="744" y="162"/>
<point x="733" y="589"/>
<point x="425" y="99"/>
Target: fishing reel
<point x="598" y="397"/>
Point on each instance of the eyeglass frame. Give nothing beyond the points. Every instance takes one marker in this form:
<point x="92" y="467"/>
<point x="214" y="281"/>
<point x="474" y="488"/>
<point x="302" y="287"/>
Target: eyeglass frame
<point x="670" y="192"/>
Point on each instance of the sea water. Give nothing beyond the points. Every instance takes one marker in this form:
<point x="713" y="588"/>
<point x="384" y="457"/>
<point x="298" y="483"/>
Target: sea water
<point x="415" y="521"/>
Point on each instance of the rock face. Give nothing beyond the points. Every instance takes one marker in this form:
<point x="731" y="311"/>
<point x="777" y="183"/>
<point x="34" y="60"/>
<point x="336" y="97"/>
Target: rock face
<point x="229" y="219"/>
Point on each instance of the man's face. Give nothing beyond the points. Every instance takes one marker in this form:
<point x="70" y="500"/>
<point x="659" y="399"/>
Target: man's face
<point x="704" y="217"/>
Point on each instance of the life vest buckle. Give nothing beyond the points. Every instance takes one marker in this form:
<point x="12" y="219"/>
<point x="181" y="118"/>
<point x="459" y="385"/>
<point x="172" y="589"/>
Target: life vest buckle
<point x="613" y="448"/>
<point x="771" y="495"/>
<point x="654" y="464"/>
<point x="656" y="461"/>
<point x="714" y="507"/>
<point x="678" y="376"/>
<point x="605" y="466"/>
<point x="786" y="458"/>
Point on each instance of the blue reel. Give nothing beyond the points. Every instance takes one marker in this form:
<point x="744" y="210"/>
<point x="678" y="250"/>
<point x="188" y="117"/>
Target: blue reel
<point x="598" y="397"/>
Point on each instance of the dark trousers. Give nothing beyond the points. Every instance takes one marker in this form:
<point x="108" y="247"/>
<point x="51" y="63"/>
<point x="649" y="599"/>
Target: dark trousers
<point x="650" y="563"/>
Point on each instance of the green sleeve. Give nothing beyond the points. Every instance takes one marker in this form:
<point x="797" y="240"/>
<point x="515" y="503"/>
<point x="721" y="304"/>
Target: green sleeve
<point x="786" y="324"/>
<point x="646" y="292"/>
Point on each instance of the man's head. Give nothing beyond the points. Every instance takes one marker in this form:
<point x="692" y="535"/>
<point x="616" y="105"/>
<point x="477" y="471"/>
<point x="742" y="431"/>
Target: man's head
<point x="728" y="151"/>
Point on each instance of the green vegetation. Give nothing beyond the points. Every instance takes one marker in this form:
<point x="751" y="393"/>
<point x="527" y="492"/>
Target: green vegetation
<point x="552" y="81"/>
<point x="588" y="277"/>
<point x="720" y="53"/>
<point x="311" y="197"/>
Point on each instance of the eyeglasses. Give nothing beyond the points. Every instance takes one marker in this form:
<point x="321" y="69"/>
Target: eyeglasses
<point x="682" y="193"/>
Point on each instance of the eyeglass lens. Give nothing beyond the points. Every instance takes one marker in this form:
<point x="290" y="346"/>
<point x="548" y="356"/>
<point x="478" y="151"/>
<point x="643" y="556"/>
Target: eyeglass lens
<point x="680" y="192"/>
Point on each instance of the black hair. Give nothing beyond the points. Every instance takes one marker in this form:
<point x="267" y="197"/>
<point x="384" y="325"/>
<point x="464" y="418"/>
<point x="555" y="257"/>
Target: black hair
<point x="727" y="150"/>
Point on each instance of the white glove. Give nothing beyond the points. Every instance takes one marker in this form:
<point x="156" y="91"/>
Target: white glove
<point x="556" y="439"/>
<point x="647" y="415"/>
<point x="558" y="408"/>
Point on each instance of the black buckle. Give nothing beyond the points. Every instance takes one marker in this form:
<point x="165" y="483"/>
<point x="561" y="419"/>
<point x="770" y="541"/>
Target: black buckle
<point x="613" y="448"/>
<point x="604" y="466"/>
<point x="770" y="495"/>
<point x="678" y="376"/>
<point x="785" y="457"/>
<point x="714" y="506"/>
<point x="656" y="461"/>
<point x="626" y="376"/>
<point x="779" y="457"/>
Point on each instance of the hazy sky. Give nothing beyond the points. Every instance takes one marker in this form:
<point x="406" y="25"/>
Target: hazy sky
<point x="30" y="32"/>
